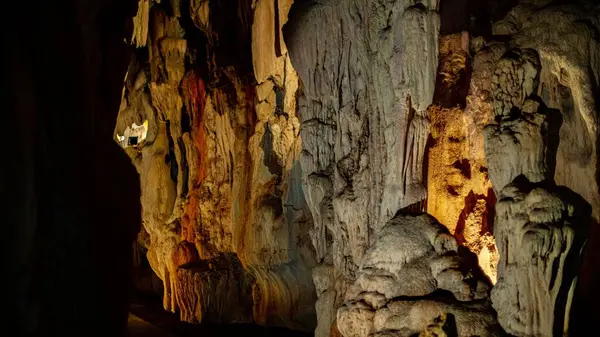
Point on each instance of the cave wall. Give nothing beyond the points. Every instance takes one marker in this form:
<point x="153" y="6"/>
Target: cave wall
<point x="350" y="165"/>
<point x="291" y="198"/>
<point x="287" y="143"/>
<point x="225" y="218"/>
<point x="363" y="106"/>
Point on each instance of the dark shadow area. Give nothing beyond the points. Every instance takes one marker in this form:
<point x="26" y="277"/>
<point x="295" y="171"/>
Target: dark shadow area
<point x="487" y="225"/>
<point x="450" y="326"/>
<point x="586" y="310"/>
<point x="75" y="208"/>
<point x="471" y="264"/>
<point x="574" y="266"/>
<point x="149" y="308"/>
<point x="474" y="16"/>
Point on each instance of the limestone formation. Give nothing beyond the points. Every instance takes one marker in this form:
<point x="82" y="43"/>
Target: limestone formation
<point x="270" y="196"/>
<point x="522" y="144"/>
<point x="223" y="205"/>
<point x="459" y="191"/>
<point x="410" y="276"/>
<point x="567" y="75"/>
<point x="365" y="91"/>
<point x="540" y="231"/>
<point x="523" y="139"/>
<point x="218" y="290"/>
<point x="277" y="148"/>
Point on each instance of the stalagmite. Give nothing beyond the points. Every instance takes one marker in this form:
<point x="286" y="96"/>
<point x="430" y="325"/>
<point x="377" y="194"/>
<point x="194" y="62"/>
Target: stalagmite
<point x="540" y="228"/>
<point x="400" y="284"/>
<point x="540" y="231"/>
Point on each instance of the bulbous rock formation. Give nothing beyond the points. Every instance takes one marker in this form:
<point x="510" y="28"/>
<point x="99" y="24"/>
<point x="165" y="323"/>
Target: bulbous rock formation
<point x="411" y="275"/>
<point x="563" y="76"/>
<point x="521" y="142"/>
<point x="540" y="231"/>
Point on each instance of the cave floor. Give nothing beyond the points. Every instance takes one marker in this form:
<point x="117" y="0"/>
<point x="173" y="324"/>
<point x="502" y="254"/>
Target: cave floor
<point x="147" y="319"/>
<point x="137" y="327"/>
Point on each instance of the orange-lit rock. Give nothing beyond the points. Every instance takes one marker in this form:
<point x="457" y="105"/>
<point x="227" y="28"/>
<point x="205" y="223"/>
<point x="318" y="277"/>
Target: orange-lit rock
<point x="460" y="193"/>
<point x="217" y="290"/>
<point x="222" y="199"/>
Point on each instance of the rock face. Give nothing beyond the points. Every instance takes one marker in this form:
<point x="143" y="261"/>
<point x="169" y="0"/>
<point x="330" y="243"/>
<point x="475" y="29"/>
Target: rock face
<point x="218" y="290"/>
<point x="411" y="275"/>
<point x="540" y="228"/>
<point x="224" y="211"/>
<point x="563" y="76"/>
<point x="459" y="191"/>
<point x="540" y="232"/>
<point x="366" y="88"/>
<point x="271" y="196"/>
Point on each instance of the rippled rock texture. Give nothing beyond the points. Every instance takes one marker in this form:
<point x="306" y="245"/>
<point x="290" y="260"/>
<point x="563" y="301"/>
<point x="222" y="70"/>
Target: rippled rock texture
<point x="542" y="89"/>
<point x="366" y="88"/>
<point x="225" y="219"/>
<point x="286" y="141"/>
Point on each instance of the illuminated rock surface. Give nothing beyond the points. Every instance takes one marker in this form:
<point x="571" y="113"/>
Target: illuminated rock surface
<point x="223" y="207"/>
<point x="459" y="192"/>
<point x="271" y="196"/>
<point x="411" y="275"/>
<point x="366" y="88"/>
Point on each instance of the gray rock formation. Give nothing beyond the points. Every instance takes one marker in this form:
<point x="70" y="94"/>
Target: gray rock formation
<point x="540" y="231"/>
<point x="522" y="143"/>
<point x="411" y="275"/>
<point x="368" y="73"/>
<point x="566" y="79"/>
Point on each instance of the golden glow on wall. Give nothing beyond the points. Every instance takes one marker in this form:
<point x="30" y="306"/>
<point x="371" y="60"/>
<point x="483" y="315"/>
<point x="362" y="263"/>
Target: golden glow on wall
<point x="460" y="193"/>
